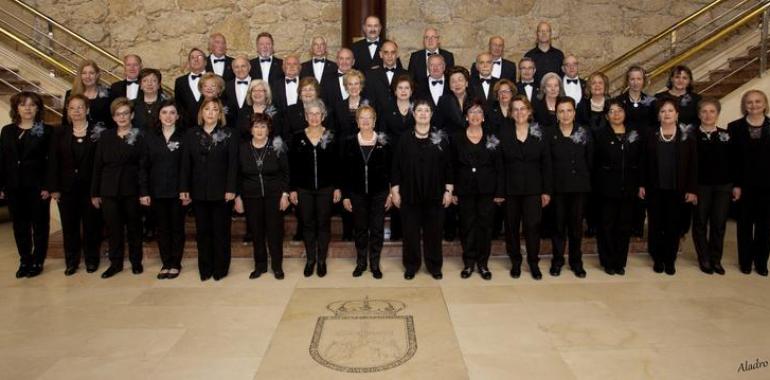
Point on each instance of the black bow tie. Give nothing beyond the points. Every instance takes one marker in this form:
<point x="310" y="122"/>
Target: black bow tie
<point x="291" y="80"/>
<point x="487" y="81"/>
<point x="432" y="53"/>
<point x="498" y="62"/>
<point x="195" y="76"/>
<point x="243" y="82"/>
<point x="370" y="43"/>
<point x="572" y="81"/>
<point x="339" y="74"/>
<point x="131" y="82"/>
<point x="435" y="82"/>
<point x="219" y="60"/>
<point x="527" y="83"/>
<point x="319" y="60"/>
<point x="261" y="60"/>
<point x="392" y="70"/>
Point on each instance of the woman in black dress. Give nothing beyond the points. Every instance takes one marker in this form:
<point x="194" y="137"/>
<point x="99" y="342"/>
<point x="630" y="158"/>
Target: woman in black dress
<point x="544" y="105"/>
<point x="294" y="115"/>
<point x="525" y="184"/>
<point x="24" y="154"/>
<point x="345" y="111"/>
<point x="314" y="159"/>
<point x="259" y="101"/>
<point x="617" y="170"/>
<point x="593" y="105"/>
<point x="422" y="186"/>
<point x="148" y="100"/>
<point x="450" y="111"/>
<point x="680" y="89"/>
<point x="669" y="182"/>
<point x="366" y="189"/>
<point x="718" y="172"/>
<point x="497" y="116"/>
<point x="475" y="160"/>
<point x="70" y="167"/>
<point x="87" y="83"/>
<point x="115" y="187"/>
<point x="263" y="182"/>
<point x="159" y="185"/>
<point x="208" y="179"/>
<point x="752" y="137"/>
<point x="571" y="157"/>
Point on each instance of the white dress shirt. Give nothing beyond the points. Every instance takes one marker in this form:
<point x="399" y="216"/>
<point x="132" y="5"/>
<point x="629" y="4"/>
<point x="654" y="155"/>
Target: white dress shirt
<point x="436" y="90"/>
<point x="485" y="86"/>
<point x="265" y="66"/>
<point x="372" y="47"/>
<point x="343" y="91"/>
<point x="132" y="89"/>
<point x="529" y="88"/>
<point x="193" y="83"/>
<point x="218" y="67"/>
<point x="291" y="91"/>
<point x="318" y="68"/>
<point x="573" y="90"/>
<point x="497" y="67"/>
<point x="241" y="89"/>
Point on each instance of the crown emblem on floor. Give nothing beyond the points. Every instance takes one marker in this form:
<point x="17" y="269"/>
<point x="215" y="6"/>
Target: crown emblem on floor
<point x="366" y="307"/>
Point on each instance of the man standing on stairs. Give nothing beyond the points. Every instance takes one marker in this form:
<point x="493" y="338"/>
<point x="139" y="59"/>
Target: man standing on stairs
<point x="129" y="86"/>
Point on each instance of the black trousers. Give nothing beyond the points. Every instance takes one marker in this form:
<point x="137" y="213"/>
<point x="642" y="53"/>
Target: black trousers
<point x="451" y="224"/>
<point x="665" y="226"/>
<point x="368" y="226"/>
<point x="422" y="221"/>
<point x="123" y="219"/>
<point x="212" y="226"/>
<point x="616" y="218"/>
<point x="169" y="216"/>
<point x="315" y="206"/>
<point x="395" y="224"/>
<point x="753" y="228"/>
<point x="640" y="214"/>
<point x="31" y="224"/>
<point x="265" y="220"/>
<point x="523" y="211"/>
<point x="568" y="209"/>
<point x="76" y="211"/>
<point x="709" y="221"/>
<point x="477" y="215"/>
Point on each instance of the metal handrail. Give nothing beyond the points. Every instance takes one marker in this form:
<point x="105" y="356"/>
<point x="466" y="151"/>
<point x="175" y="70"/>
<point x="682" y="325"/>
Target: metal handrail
<point x="685" y="21"/>
<point x="715" y="19"/>
<point x="729" y="75"/>
<point x="28" y="82"/>
<point x="58" y="65"/>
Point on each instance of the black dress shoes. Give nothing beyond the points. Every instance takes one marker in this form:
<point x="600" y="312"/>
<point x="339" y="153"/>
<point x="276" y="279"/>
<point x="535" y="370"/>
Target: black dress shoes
<point x="536" y="273"/>
<point x="620" y="271"/>
<point x="555" y="270"/>
<point x="609" y="270"/>
<point x="137" y="269"/>
<point x="762" y="272"/>
<point x="745" y="270"/>
<point x="172" y="274"/>
<point x="408" y="275"/>
<point x="309" y="266"/>
<point x="256" y="273"/>
<point x="437" y="275"/>
<point x="22" y="272"/>
<point x="658" y="267"/>
<point x="670" y="270"/>
<point x="466" y="272"/>
<point x="91" y="268"/>
<point x="579" y="272"/>
<point x="205" y="277"/>
<point x="111" y="271"/>
<point x="516" y="271"/>
<point x="706" y="268"/>
<point x="70" y="271"/>
<point x="34" y="271"/>
<point x="321" y="271"/>
<point x="376" y="272"/>
<point x="359" y="270"/>
<point x="485" y="273"/>
<point x="278" y="274"/>
<point x="718" y="269"/>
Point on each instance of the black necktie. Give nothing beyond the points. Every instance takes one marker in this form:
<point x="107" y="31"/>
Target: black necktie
<point x="572" y="81"/>
<point x="131" y="82"/>
<point x="219" y="60"/>
<point x="435" y="82"/>
<point x="291" y="80"/>
<point x="319" y="60"/>
<point x="262" y="60"/>
<point x="243" y="82"/>
<point x="195" y="76"/>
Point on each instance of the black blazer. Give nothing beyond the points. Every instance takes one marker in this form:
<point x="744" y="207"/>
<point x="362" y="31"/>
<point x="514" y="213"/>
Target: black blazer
<point x="64" y="172"/>
<point x="278" y="87"/>
<point x="641" y="115"/>
<point x="243" y="122"/>
<point x="276" y="70"/>
<point x="231" y="101"/>
<point x="377" y="86"/>
<point x="98" y="108"/>
<point x="118" y="89"/>
<point x="364" y="61"/>
<point x="418" y="64"/>
<point x="331" y="92"/>
<point x="160" y="164"/>
<point x="269" y="180"/>
<point x="475" y="165"/>
<point x="525" y="166"/>
<point x="494" y="121"/>
<point x="311" y="173"/>
<point x="209" y="164"/>
<point x="143" y="112"/>
<point x="542" y="115"/>
<point x="366" y="177"/>
<point x="754" y="156"/>
<point x="449" y="116"/>
<point x="718" y="158"/>
<point x="593" y="120"/>
<point x="116" y="164"/>
<point x="429" y="157"/>
<point x="688" y="106"/>
<point x="391" y="121"/>
<point x="477" y="89"/>
<point x="23" y="164"/>
<point x="423" y="91"/>
<point x="507" y="70"/>
<point x="227" y="74"/>
<point x="345" y="124"/>
<point x="185" y="101"/>
<point x="294" y="120"/>
<point x="617" y="163"/>
<point x="686" y="160"/>
<point x="328" y="76"/>
<point x="571" y="159"/>
<point x="521" y="89"/>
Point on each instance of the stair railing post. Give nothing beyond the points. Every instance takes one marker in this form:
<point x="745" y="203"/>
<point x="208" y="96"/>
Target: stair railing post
<point x="763" y="48"/>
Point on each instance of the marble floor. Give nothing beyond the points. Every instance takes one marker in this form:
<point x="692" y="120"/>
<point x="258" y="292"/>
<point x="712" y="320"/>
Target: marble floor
<point x="640" y="326"/>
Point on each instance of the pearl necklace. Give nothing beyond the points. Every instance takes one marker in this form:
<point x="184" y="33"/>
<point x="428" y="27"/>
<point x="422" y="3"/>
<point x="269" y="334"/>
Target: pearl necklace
<point x="663" y="136"/>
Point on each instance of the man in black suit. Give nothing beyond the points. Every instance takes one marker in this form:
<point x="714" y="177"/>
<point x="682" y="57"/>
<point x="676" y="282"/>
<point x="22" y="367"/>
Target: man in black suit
<point x="265" y="66"/>
<point x="548" y="59"/>
<point x="318" y="66"/>
<point x="418" y="67"/>
<point x="571" y="83"/>
<point x="128" y="87"/>
<point x="526" y="85"/>
<point x="186" y="90"/>
<point x="285" y="89"/>
<point x="379" y="80"/>
<point x="218" y="62"/>
<point x="435" y="86"/>
<point x="333" y="94"/>
<point x="237" y="90"/>
<point x="366" y="50"/>
<point x="483" y="81"/>
<point x="501" y="67"/>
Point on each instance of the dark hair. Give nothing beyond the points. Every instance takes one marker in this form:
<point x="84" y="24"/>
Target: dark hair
<point x="712" y="101"/>
<point x="565" y="99"/>
<point x="422" y="102"/>
<point x="265" y="34"/>
<point x="261" y="118"/>
<point x="522" y="98"/>
<point x="475" y="102"/>
<point x="402" y="78"/>
<point x="616" y="102"/>
<point x="148" y="71"/>
<point x="666" y="100"/>
<point x="21" y="98"/>
<point x="676" y="70"/>
<point x="156" y="124"/>
<point x="458" y="70"/>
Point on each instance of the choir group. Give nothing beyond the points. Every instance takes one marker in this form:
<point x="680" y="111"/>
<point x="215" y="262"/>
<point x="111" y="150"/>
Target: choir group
<point x="528" y="148"/>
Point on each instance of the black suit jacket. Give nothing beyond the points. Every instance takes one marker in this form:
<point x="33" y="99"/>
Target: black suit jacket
<point x="571" y="159"/>
<point x="617" y="163"/>
<point x="116" y="164"/>
<point x="185" y="101"/>
<point x="475" y="165"/>
<point x="160" y="164"/>
<point x="377" y="86"/>
<point x="331" y="93"/>
<point x="118" y="89"/>
<point x="448" y="115"/>
<point x="278" y="87"/>
<point x="686" y="161"/>
<point x="477" y="90"/>
<point x="418" y="65"/>
<point x="231" y="101"/>
<point x="507" y="70"/>
<point x="228" y="73"/>
<point x="753" y="157"/>
<point x="520" y="89"/>
<point x="328" y="77"/>
<point x="209" y="164"/>
<point x="63" y="171"/>
<point x="276" y="69"/>
<point x="423" y="91"/>
<point x="24" y="168"/>
<point x="364" y="61"/>
<point x="525" y="167"/>
<point x="392" y="122"/>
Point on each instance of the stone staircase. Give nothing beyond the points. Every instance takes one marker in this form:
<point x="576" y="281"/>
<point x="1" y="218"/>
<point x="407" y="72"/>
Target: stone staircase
<point x="11" y="82"/>
<point x="745" y="67"/>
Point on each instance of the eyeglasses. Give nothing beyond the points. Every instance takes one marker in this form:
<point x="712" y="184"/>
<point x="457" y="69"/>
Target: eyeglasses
<point x="505" y="92"/>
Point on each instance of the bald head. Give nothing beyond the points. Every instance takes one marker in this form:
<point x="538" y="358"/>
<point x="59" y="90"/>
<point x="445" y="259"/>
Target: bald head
<point x="241" y="67"/>
<point x="291" y="66"/>
<point x="345" y="59"/>
<point x="484" y="64"/>
<point x="431" y="40"/>
<point x="318" y="47"/>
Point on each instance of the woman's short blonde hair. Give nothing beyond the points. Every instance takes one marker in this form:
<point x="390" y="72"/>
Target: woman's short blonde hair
<point x="259" y="83"/>
<point x="222" y="122"/>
